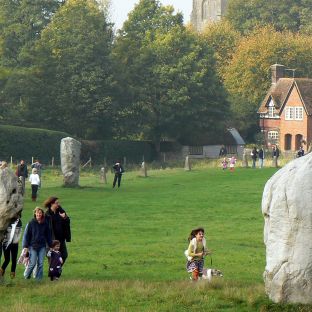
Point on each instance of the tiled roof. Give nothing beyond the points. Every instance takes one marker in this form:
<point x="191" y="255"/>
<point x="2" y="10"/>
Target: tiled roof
<point x="279" y="92"/>
<point x="305" y="90"/>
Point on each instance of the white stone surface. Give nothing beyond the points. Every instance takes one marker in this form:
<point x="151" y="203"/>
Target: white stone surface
<point x="70" y="161"/>
<point x="143" y="170"/>
<point x="187" y="164"/>
<point x="287" y="210"/>
<point x="11" y="199"/>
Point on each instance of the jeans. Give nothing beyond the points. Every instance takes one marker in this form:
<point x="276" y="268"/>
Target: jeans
<point x="36" y="256"/>
<point x="260" y="162"/>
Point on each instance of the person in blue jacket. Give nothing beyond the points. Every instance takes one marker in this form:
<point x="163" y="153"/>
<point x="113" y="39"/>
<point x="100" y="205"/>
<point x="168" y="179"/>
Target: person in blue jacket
<point x="37" y="237"/>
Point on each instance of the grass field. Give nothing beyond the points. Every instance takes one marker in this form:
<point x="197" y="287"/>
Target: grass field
<point x="127" y="244"/>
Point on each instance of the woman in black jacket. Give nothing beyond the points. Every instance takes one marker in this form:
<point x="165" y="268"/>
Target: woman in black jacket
<point x="59" y="224"/>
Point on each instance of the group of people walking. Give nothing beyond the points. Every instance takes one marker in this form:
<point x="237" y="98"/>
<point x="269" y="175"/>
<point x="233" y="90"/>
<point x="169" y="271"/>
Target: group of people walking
<point x="45" y="234"/>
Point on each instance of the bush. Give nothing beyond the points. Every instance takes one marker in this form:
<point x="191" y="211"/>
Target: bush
<point x="25" y="143"/>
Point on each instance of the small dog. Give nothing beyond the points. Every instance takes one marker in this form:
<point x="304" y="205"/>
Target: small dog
<point x="209" y="273"/>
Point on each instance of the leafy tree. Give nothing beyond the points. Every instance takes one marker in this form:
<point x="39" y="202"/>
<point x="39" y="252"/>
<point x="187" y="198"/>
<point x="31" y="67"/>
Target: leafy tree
<point x="283" y="15"/>
<point x="169" y="84"/>
<point x="247" y="78"/>
<point x="21" y="22"/>
<point x="224" y="39"/>
<point x="71" y="81"/>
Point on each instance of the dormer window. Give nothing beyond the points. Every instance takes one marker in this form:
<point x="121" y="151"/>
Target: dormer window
<point x="271" y="111"/>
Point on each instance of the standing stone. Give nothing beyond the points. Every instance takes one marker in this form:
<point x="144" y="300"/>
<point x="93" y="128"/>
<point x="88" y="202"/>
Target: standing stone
<point x="245" y="159"/>
<point x="70" y="161"/>
<point x="287" y="211"/>
<point x="187" y="164"/>
<point x="103" y="175"/>
<point x="144" y="170"/>
<point x="11" y="199"/>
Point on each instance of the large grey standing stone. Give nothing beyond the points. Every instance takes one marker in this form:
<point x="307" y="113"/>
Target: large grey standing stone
<point x="11" y="199"/>
<point x="70" y="161"/>
<point x="287" y="211"/>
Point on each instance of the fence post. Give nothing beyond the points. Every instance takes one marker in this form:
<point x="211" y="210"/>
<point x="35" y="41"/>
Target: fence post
<point x="124" y="161"/>
<point x="52" y="163"/>
<point x="90" y="162"/>
<point x="32" y="159"/>
<point x="11" y="161"/>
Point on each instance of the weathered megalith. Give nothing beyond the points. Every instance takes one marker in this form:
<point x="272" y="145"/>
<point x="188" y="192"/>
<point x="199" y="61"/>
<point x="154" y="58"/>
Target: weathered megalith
<point x="187" y="164"/>
<point x="245" y="159"/>
<point x="287" y="211"/>
<point x="70" y="161"/>
<point x="143" y="170"/>
<point x="103" y="177"/>
<point x="11" y="199"/>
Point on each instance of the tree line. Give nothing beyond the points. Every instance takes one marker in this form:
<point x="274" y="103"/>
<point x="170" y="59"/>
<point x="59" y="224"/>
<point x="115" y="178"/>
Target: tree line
<point x="62" y="67"/>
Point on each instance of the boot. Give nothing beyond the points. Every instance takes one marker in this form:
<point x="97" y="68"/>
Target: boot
<point x="12" y="275"/>
<point x="1" y="272"/>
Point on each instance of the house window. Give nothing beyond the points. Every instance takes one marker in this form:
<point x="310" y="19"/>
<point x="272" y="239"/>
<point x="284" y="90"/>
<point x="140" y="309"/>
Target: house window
<point x="271" y="112"/>
<point x="294" y="113"/>
<point x="289" y="114"/>
<point x="273" y="135"/>
<point x="299" y="113"/>
<point x="196" y="150"/>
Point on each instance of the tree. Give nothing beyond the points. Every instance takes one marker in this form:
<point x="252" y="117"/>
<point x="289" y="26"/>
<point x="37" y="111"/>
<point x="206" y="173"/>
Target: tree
<point x="169" y="84"/>
<point x="71" y="77"/>
<point x="21" y="23"/>
<point x="247" y="78"/>
<point x="223" y="38"/>
<point x="283" y="15"/>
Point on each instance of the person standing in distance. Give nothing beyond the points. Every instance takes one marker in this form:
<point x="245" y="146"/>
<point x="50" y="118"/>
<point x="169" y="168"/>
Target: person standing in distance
<point x="22" y="173"/>
<point x="118" y="169"/>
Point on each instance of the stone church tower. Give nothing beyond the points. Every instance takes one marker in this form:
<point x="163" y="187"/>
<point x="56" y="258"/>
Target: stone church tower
<point x="207" y="11"/>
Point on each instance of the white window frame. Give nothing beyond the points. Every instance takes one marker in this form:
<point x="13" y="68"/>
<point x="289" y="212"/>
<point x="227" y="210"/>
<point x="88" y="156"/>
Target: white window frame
<point x="273" y="135"/>
<point x="298" y="113"/>
<point x="289" y="113"/>
<point x="271" y="112"/>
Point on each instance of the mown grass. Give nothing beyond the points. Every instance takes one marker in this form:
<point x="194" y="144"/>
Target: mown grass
<point x="128" y="243"/>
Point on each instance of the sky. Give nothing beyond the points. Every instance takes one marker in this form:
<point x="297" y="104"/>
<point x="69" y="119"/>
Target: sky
<point x="121" y="8"/>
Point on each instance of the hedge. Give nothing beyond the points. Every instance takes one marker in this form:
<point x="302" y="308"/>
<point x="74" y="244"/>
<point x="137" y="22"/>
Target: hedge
<point x="25" y="143"/>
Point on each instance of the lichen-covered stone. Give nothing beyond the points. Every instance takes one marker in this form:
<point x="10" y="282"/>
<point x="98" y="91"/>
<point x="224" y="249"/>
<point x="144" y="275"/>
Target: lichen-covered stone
<point x="11" y="199"/>
<point x="287" y="210"/>
<point x="70" y="161"/>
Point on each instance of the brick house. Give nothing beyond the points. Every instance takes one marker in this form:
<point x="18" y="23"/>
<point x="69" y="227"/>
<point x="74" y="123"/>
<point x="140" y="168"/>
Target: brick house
<point x="286" y="111"/>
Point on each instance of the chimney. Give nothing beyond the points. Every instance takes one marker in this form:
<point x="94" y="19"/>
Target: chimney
<point x="278" y="71"/>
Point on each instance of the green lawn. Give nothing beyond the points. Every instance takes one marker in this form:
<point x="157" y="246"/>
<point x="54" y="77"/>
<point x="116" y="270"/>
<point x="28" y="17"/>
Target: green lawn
<point x="127" y="244"/>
